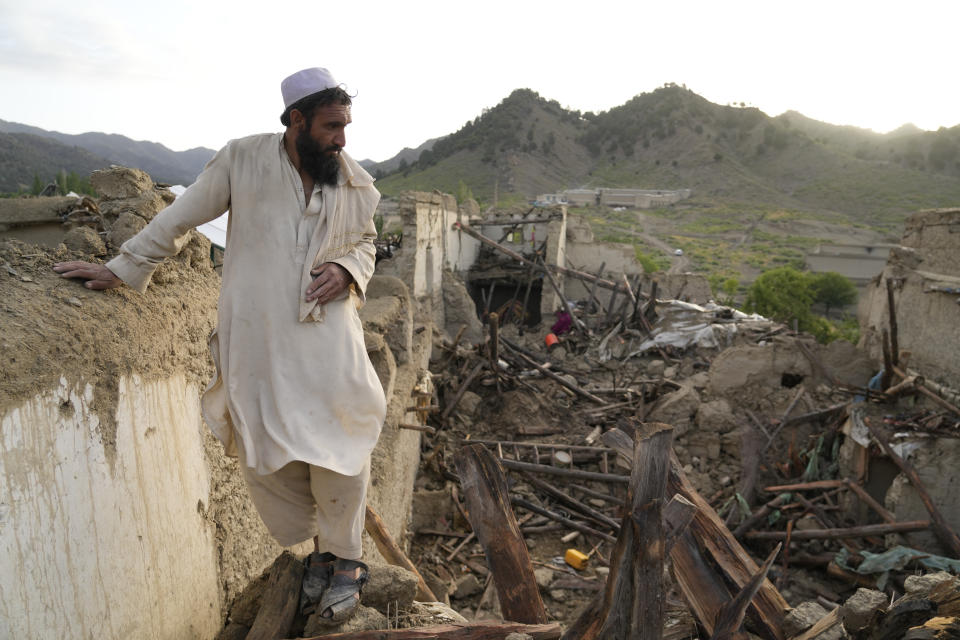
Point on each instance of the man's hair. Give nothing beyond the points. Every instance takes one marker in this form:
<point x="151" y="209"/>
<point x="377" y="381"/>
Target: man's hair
<point x="308" y="105"/>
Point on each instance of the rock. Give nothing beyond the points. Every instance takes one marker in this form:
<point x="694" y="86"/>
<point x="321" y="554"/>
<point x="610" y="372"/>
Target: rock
<point x="543" y="577"/>
<point x="759" y="367"/>
<point x="807" y="523"/>
<point x="677" y="409"/>
<point x="716" y="415"/>
<point x="558" y="354"/>
<point x="923" y="584"/>
<point x="430" y="508"/>
<point x="459" y="309"/>
<point x="558" y="595"/>
<point x="147" y="205"/>
<point x="75" y="302"/>
<point x="518" y="636"/>
<point x="602" y="572"/>
<point x="703" y="444"/>
<point x="655" y="368"/>
<point x="802" y="617"/>
<point x="468" y="403"/>
<point x="670" y="373"/>
<point x="365" y="619"/>
<point x="466" y="585"/>
<point x="389" y="584"/>
<point x="85" y="240"/>
<point x="862" y="608"/>
<point x="699" y="380"/>
<point x="128" y="224"/>
<point x="433" y="613"/>
<point x="120" y="182"/>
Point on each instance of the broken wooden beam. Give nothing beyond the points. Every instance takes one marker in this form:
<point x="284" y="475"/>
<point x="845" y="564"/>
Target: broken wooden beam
<point x="606" y="284"/>
<point x="280" y="600"/>
<point x="559" y="379"/>
<point x="730" y="616"/>
<point x="392" y="552"/>
<point x="448" y="411"/>
<point x="710" y="566"/>
<point x="556" y="517"/>
<point x="572" y="502"/>
<point x="862" y="531"/>
<point x="492" y="519"/>
<point x="632" y="601"/>
<point x="941" y="528"/>
<point x="559" y="471"/>
<point x="469" y="631"/>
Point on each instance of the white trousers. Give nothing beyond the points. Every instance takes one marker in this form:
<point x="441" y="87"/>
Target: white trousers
<point x="300" y="501"/>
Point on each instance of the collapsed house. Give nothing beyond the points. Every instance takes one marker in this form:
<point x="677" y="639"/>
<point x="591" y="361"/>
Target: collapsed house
<point x="121" y="516"/>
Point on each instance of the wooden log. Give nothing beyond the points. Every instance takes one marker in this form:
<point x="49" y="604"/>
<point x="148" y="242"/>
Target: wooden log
<point x="677" y="516"/>
<point x="572" y="502"/>
<point x="847" y="532"/>
<point x="593" y="288"/>
<point x="758" y="516"/>
<point x="633" y="599"/>
<point x="462" y="390"/>
<point x="493" y="322"/>
<point x="928" y="392"/>
<point x="393" y="554"/>
<point x="492" y="519"/>
<point x="469" y="631"/>
<point x="894" y="332"/>
<point x="564" y="383"/>
<point x="730" y="616"/>
<point x="870" y="501"/>
<point x="887" y="376"/>
<point x="816" y="485"/>
<point x="945" y="534"/>
<point x="280" y="600"/>
<point x="568" y="473"/>
<point x="709" y="564"/>
<point x="556" y="517"/>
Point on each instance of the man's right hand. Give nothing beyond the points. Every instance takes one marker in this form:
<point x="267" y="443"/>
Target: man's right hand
<point x="97" y="276"/>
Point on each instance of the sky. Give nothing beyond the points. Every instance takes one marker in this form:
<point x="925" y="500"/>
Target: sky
<point x="199" y="73"/>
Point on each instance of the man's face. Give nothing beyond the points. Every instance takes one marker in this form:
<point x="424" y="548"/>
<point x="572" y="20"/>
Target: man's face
<point x="320" y="140"/>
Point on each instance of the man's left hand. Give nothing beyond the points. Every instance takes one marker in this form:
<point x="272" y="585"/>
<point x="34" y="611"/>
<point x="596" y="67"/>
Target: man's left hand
<point x="329" y="281"/>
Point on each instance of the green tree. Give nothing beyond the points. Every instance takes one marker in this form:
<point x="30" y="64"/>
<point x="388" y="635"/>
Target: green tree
<point x="832" y="290"/>
<point x="783" y="294"/>
<point x="37" y="186"/>
<point x="464" y="192"/>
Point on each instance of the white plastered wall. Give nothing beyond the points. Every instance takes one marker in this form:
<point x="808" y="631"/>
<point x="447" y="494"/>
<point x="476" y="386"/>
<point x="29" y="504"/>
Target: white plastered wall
<point x="102" y="544"/>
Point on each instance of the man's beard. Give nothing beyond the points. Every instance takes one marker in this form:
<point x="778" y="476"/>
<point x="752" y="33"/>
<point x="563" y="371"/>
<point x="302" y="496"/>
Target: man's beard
<point x="317" y="161"/>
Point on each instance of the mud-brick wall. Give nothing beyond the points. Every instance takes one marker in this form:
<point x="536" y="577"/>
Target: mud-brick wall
<point x="120" y="515"/>
<point x="925" y="273"/>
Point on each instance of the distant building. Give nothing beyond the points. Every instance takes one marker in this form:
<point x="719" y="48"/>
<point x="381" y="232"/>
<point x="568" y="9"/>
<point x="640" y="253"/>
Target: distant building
<point x="858" y="262"/>
<point x="632" y="198"/>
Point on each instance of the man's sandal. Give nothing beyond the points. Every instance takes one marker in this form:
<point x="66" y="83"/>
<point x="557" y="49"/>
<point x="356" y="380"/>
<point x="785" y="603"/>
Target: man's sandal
<point x="341" y="599"/>
<point x="316" y="579"/>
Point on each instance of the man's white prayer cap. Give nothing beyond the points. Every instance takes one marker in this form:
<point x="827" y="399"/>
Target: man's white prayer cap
<point x="305" y="83"/>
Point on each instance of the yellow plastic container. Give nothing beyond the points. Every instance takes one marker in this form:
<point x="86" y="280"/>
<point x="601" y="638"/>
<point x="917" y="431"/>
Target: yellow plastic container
<point x="576" y="559"/>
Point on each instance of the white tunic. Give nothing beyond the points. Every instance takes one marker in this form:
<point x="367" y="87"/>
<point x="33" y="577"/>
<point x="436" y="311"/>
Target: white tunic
<point x="293" y="378"/>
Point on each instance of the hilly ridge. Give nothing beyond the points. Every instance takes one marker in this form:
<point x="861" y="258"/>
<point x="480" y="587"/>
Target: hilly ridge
<point x="674" y="138"/>
<point x="72" y="152"/>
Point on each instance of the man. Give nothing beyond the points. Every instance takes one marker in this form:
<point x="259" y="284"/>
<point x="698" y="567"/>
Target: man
<point x="295" y="396"/>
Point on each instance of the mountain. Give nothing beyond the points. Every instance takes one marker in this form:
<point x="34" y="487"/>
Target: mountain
<point x="406" y="157"/>
<point x="674" y="138"/>
<point x="163" y="164"/>
<point x="23" y="155"/>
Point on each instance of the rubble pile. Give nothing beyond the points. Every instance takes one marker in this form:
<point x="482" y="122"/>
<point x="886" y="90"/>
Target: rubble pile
<point x="764" y="424"/>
